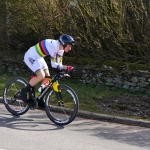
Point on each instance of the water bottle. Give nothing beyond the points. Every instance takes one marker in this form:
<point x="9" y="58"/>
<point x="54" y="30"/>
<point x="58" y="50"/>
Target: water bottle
<point x="43" y="85"/>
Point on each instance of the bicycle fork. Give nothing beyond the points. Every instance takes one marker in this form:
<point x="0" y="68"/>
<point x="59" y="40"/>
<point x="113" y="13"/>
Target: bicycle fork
<point x="58" y="93"/>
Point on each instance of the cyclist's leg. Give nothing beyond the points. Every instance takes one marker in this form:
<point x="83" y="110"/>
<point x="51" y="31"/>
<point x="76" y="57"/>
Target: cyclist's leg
<point x="46" y="70"/>
<point x="40" y="75"/>
<point x="41" y="102"/>
<point x="36" y="65"/>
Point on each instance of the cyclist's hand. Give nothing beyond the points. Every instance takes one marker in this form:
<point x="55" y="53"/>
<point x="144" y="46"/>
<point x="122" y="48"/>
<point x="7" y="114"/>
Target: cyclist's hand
<point x="69" y="68"/>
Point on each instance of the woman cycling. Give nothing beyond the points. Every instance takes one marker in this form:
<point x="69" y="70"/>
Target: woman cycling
<point x="34" y="59"/>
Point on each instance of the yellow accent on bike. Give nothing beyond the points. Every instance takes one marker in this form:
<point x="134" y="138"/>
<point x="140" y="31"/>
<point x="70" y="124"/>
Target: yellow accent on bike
<point x="55" y="87"/>
<point x="50" y="79"/>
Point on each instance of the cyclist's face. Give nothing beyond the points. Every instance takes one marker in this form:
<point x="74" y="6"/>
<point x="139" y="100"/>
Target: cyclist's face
<point x="68" y="48"/>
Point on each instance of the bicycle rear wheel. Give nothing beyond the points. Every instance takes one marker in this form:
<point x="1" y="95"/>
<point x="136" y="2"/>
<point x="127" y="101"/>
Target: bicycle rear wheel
<point x="12" y="96"/>
<point x="62" y="115"/>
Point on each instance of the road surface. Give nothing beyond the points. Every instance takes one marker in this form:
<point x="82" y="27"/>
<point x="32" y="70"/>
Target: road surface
<point x="34" y="131"/>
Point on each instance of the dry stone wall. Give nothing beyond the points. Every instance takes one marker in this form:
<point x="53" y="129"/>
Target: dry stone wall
<point x="138" y="80"/>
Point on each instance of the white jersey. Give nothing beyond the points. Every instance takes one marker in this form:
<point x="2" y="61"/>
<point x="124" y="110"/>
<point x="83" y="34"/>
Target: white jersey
<point x="34" y="56"/>
<point x="48" y="47"/>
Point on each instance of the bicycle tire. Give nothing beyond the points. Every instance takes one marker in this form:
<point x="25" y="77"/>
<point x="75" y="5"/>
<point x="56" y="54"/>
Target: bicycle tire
<point x="62" y="115"/>
<point x="12" y="97"/>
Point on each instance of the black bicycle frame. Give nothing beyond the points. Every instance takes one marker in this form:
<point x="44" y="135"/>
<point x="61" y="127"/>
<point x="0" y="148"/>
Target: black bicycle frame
<point x="42" y="94"/>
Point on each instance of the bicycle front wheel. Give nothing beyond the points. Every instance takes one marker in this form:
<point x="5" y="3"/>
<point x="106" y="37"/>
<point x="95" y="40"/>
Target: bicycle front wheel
<point x="12" y="96"/>
<point x="62" y="114"/>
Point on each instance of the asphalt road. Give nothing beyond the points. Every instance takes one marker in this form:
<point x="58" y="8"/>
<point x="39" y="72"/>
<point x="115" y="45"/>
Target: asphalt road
<point x="34" y="131"/>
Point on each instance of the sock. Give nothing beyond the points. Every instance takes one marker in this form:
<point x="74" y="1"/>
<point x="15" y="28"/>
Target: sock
<point x="26" y="89"/>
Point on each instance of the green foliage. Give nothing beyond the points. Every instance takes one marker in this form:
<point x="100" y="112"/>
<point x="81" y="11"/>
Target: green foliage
<point x="117" y="65"/>
<point x="104" y="30"/>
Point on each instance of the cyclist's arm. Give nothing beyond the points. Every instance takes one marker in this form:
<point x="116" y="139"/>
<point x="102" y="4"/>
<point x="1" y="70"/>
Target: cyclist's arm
<point x="56" y="62"/>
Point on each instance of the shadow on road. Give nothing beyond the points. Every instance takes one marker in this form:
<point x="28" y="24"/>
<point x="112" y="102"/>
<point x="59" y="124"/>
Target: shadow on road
<point x="36" y="121"/>
<point x="131" y="135"/>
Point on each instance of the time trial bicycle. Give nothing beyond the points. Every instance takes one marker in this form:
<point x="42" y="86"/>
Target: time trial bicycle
<point x="61" y="101"/>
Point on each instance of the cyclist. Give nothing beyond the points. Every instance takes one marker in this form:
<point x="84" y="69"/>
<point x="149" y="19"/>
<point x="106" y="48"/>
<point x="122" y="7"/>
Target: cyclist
<point x="34" y="59"/>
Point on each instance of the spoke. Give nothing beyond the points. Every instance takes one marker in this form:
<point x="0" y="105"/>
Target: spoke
<point x="13" y="101"/>
<point x="64" y="112"/>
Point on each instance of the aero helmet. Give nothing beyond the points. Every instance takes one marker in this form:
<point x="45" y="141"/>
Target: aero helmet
<point x="65" y="39"/>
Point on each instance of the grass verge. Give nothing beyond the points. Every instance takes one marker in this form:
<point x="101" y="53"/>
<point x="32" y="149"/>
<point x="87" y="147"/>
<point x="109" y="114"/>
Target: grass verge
<point x="90" y="96"/>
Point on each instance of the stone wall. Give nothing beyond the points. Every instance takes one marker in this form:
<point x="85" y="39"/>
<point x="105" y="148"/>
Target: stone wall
<point x="138" y="80"/>
<point x="133" y="80"/>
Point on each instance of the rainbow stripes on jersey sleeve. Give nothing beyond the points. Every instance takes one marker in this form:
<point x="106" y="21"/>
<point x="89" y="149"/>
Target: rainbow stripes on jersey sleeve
<point x="41" y="48"/>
